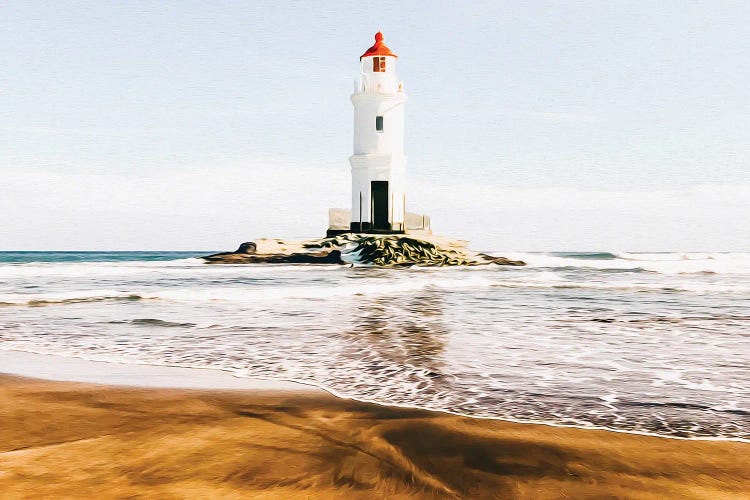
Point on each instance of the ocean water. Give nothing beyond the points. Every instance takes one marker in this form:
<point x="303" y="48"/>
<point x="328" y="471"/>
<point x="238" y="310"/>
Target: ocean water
<point x="653" y="343"/>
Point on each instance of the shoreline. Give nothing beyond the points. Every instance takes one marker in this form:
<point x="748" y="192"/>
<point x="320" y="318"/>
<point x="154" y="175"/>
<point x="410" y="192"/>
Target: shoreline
<point x="71" y="438"/>
<point x="140" y="375"/>
<point x="60" y="368"/>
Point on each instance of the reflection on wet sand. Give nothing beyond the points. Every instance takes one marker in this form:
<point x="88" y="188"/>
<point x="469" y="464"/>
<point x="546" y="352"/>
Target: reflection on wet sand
<point x="407" y="332"/>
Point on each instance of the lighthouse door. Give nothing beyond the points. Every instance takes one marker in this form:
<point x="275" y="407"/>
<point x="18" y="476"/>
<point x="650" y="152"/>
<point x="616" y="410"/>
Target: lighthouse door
<point x="379" y="193"/>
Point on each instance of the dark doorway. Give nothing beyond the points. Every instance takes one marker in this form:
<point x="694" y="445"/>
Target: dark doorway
<point x="379" y="193"/>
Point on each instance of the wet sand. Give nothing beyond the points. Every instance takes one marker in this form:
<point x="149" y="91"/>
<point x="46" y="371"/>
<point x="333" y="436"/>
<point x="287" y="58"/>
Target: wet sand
<point x="67" y="439"/>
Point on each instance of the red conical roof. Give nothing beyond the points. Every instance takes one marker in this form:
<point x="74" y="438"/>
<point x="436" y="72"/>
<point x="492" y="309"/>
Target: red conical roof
<point x="379" y="49"/>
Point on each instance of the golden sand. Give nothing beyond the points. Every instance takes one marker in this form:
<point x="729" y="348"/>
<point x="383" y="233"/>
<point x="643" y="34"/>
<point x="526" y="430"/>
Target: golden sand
<point x="60" y="439"/>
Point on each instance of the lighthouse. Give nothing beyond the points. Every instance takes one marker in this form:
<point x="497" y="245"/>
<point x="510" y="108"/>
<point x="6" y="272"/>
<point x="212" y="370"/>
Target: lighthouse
<point x="378" y="163"/>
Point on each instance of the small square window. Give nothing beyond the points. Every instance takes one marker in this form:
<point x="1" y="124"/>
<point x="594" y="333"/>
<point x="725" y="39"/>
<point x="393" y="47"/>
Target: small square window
<point x="378" y="64"/>
<point x="379" y="123"/>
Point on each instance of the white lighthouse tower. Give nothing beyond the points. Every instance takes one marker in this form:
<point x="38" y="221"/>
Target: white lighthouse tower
<point x="378" y="163"/>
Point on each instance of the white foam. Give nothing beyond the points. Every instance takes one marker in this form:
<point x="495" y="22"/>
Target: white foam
<point x="664" y="263"/>
<point x="62" y="297"/>
<point x="400" y="336"/>
<point x="256" y="292"/>
<point x="550" y="279"/>
<point x="76" y="369"/>
<point x="93" y="269"/>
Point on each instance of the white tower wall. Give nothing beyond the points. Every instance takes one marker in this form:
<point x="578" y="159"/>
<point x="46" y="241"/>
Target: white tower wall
<point x="378" y="154"/>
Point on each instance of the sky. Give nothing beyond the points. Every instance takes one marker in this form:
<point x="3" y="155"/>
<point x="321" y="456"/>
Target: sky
<point x="530" y="126"/>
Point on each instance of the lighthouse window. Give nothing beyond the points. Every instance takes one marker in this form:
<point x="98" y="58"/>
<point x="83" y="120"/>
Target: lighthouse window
<point x="378" y="64"/>
<point x="379" y="123"/>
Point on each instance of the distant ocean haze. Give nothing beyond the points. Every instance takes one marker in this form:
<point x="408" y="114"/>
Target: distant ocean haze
<point x="60" y="209"/>
<point x="640" y="342"/>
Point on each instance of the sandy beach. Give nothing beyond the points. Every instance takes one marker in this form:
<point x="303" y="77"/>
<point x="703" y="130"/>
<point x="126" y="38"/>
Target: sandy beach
<point x="74" y="439"/>
<point x="375" y="250"/>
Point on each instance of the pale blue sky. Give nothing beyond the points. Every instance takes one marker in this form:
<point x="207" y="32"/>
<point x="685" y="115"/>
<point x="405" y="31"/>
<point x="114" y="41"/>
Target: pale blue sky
<point x="530" y="125"/>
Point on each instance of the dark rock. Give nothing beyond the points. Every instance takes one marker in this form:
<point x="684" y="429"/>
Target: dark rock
<point x="331" y="257"/>
<point x="247" y="247"/>
<point x="323" y="257"/>
<point x="502" y="261"/>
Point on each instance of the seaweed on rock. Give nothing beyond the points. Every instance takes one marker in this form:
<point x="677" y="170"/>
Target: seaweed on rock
<point x="405" y="251"/>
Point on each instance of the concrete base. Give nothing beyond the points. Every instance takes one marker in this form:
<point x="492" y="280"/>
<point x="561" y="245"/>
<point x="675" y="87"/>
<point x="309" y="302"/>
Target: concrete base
<point x="340" y="222"/>
<point x="330" y="233"/>
<point x="365" y="229"/>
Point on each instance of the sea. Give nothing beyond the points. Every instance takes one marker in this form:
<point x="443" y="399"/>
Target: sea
<point x="652" y="343"/>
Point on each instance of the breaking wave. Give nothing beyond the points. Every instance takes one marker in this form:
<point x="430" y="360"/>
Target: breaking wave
<point x="663" y="263"/>
<point x="251" y="290"/>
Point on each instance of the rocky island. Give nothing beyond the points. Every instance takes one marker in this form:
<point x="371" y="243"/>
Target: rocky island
<point x="387" y="250"/>
<point x="378" y="229"/>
